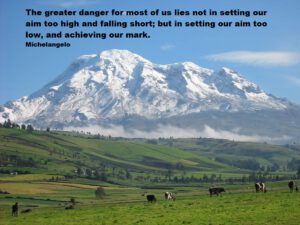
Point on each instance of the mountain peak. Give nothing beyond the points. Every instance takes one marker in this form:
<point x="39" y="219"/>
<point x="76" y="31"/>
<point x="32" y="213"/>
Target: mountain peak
<point x="227" y="70"/>
<point x="86" y="57"/>
<point x="117" y="84"/>
<point x="120" y="55"/>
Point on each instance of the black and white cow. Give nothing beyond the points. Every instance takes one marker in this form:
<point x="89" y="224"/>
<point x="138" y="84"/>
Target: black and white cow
<point x="260" y="187"/>
<point x="151" y="198"/>
<point x="216" y="191"/>
<point x="169" y="196"/>
<point x="293" y="186"/>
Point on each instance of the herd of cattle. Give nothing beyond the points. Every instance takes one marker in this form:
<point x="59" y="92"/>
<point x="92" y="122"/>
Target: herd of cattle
<point x="259" y="187"/>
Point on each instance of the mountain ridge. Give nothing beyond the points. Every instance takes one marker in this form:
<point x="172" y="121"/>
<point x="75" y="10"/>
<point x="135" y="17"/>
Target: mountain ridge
<point x="108" y="88"/>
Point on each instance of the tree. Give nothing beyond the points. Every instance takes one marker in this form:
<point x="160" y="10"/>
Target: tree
<point x="298" y="172"/>
<point x="88" y="172"/>
<point x="169" y="173"/>
<point x="48" y="129"/>
<point x="294" y="164"/>
<point x="77" y="170"/>
<point x="128" y="175"/>
<point x="213" y="177"/>
<point x="100" y="175"/>
<point x="99" y="192"/>
<point x="152" y="141"/>
<point x="15" y="125"/>
<point x="205" y="178"/>
<point x="7" y="124"/>
<point x="175" y="179"/>
<point x="275" y="167"/>
<point x="29" y="128"/>
<point x="179" y="166"/>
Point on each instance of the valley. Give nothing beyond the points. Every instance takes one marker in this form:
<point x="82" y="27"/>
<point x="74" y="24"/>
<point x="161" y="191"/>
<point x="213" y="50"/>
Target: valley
<point x="45" y="171"/>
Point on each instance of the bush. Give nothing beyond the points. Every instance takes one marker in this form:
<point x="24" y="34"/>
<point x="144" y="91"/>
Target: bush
<point x="99" y="192"/>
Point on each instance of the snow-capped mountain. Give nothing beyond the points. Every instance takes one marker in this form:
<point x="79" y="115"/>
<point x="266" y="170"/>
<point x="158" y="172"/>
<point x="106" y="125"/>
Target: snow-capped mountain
<point x="118" y="87"/>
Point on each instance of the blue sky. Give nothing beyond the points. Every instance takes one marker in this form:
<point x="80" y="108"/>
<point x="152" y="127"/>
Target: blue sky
<point x="267" y="56"/>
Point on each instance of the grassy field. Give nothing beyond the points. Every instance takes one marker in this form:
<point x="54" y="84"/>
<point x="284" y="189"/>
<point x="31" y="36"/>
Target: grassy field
<point x="275" y="207"/>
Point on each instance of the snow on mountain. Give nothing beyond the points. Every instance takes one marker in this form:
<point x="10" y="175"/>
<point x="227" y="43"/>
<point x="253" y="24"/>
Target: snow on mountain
<point x="117" y="84"/>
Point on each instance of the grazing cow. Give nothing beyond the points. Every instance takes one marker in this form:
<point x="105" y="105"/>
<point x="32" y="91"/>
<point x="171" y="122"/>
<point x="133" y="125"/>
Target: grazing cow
<point x="15" y="209"/>
<point x="26" y="211"/>
<point x="257" y="187"/>
<point x="260" y="187"/>
<point x="69" y="207"/>
<point x="292" y="185"/>
<point x="151" y="198"/>
<point x="216" y="191"/>
<point x="170" y="196"/>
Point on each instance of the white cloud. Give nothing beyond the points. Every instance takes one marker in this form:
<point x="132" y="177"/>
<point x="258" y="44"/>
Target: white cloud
<point x="70" y="3"/>
<point x="176" y="132"/>
<point x="258" y="58"/>
<point x="167" y="46"/>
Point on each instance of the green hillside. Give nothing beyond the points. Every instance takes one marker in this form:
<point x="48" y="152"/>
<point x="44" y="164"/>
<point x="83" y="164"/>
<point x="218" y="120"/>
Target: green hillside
<point x="136" y="162"/>
<point x="234" y="153"/>
<point x="62" y="154"/>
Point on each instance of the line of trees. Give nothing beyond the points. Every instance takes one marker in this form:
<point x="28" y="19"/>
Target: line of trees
<point x="102" y="173"/>
<point x="14" y="160"/>
<point x="214" y="178"/>
<point x="250" y="164"/>
<point x="112" y="174"/>
<point x="9" y="124"/>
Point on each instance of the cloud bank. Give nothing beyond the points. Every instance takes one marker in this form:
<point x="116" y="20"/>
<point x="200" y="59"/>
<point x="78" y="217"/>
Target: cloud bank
<point x="271" y="58"/>
<point x="176" y="132"/>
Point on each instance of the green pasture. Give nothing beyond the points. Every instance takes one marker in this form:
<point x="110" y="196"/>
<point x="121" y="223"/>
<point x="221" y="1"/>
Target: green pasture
<point x="277" y="207"/>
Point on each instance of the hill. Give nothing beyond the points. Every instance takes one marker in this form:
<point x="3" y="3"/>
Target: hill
<point x="248" y="155"/>
<point x="136" y="162"/>
<point x="92" y="156"/>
